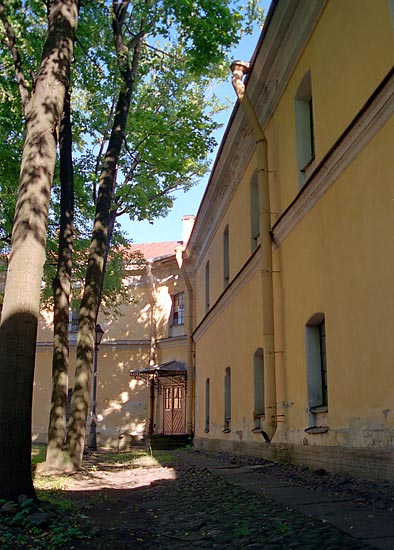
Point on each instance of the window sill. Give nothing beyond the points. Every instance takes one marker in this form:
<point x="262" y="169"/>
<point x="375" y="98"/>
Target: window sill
<point x="317" y="430"/>
<point x="319" y="409"/>
<point x="305" y="168"/>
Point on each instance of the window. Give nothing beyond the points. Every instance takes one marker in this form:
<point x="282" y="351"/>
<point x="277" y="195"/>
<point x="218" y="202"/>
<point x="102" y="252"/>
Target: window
<point x="167" y="398"/>
<point x="178" y="397"/>
<point x="316" y="364"/>
<point x="73" y="324"/>
<point x="207" y="404"/>
<point x="207" y="286"/>
<point x="305" y="135"/>
<point x="173" y="398"/>
<point x="259" y="406"/>
<point x="179" y="309"/>
<point x="226" y="257"/>
<point x="227" y="400"/>
<point x="254" y="213"/>
<point x="68" y="406"/>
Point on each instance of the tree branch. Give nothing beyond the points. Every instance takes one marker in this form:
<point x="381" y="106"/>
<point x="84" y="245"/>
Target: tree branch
<point x="102" y="145"/>
<point x="11" y="45"/>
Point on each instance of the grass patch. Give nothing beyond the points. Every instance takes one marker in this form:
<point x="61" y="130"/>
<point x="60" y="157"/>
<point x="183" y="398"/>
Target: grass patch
<point x="38" y="453"/>
<point x="134" y="459"/>
<point x="53" y="523"/>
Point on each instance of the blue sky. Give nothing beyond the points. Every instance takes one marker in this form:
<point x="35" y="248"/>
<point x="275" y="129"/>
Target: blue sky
<point x="170" y="227"/>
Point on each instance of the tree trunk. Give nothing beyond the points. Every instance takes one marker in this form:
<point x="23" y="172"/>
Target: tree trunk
<point x="61" y="298"/>
<point x="96" y="264"/>
<point x="20" y="314"/>
<point x="93" y="284"/>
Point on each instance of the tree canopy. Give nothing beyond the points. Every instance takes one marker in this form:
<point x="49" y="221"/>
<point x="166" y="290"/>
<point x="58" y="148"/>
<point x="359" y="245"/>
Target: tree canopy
<point x="142" y="127"/>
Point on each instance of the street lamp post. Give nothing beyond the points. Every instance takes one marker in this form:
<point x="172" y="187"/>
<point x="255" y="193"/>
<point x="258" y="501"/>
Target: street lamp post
<point x="92" y="441"/>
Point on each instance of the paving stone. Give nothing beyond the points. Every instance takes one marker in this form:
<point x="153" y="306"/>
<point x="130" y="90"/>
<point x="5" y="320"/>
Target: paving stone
<point x="222" y="502"/>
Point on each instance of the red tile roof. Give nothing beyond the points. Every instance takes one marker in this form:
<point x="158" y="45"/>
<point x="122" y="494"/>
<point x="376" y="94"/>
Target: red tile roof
<point x="151" y="251"/>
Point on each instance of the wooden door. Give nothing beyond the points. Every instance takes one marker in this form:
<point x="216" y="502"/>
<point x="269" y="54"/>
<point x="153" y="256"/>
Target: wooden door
<point x="173" y="410"/>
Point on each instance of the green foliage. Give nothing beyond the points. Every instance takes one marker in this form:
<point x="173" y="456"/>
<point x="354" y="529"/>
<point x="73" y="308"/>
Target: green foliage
<point x="64" y="525"/>
<point x="38" y="454"/>
<point x="169" y="129"/>
<point x="241" y="528"/>
<point x="206" y="30"/>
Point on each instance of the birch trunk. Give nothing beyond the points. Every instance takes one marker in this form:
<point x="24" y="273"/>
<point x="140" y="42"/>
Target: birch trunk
<point x="61" y="299"/>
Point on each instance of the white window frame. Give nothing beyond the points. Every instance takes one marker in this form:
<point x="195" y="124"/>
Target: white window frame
<point x="316" y="370"/>
<point x="178" y="316"/>
<point x="227" y="400"/>
<point x="305" y="133"/>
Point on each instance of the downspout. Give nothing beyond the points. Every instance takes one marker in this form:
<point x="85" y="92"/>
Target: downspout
<point x="239" y="69"/>
<point x="153" y="345"/>
<point x="190" y="347"/>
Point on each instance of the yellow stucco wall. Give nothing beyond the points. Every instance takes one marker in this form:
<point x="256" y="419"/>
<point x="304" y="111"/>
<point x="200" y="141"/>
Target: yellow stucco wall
<point x="230" y="341"/>
<point x="237" y="219"/>
<point x="122" y="403"/>
<point x="335" y="260"/>
<point x="348" y="54"/>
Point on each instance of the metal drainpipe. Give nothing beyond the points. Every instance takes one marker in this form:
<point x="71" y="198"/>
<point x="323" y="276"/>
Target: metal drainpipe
<point x="239" y="69"/>
<point x="189" y="351"/>
<point x="153" y="346"/>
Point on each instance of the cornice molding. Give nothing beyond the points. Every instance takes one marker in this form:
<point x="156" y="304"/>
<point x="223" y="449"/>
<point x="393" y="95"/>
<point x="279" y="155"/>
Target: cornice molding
<point x="360" y="132"/>
<point x="286" y="37"/>
<point x="173" y="341"/>
<point x="279" y="50"/>
<point x="123" y="344"/>
<point x="252" y="266"/>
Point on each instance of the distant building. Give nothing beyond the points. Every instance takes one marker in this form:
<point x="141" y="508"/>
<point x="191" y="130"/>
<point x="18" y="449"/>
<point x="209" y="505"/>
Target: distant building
<point x="149" y="335"/>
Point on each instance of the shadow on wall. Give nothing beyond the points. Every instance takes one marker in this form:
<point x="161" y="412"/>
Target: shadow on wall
<point x="122" y="403"/>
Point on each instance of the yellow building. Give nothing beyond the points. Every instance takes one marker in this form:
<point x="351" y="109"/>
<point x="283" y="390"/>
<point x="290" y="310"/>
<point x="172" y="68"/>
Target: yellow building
<point x="291" y="249"/>
<point x="148" y="339"/>
<point x="286" y="280"/>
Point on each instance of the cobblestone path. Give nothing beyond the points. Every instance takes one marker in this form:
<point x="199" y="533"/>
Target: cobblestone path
<point x="196" y="509"/>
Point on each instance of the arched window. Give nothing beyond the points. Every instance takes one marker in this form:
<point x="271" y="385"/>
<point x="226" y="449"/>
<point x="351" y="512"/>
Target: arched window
<point x="227" y="400"/>
<point x="305" y="134"/>
<point x="258" y="372"/>
<point x="207" y="404"/>
<point x="316" y="366"/>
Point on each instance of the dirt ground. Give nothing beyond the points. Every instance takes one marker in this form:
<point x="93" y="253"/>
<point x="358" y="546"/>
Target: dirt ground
<point x="116" y="496"/>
